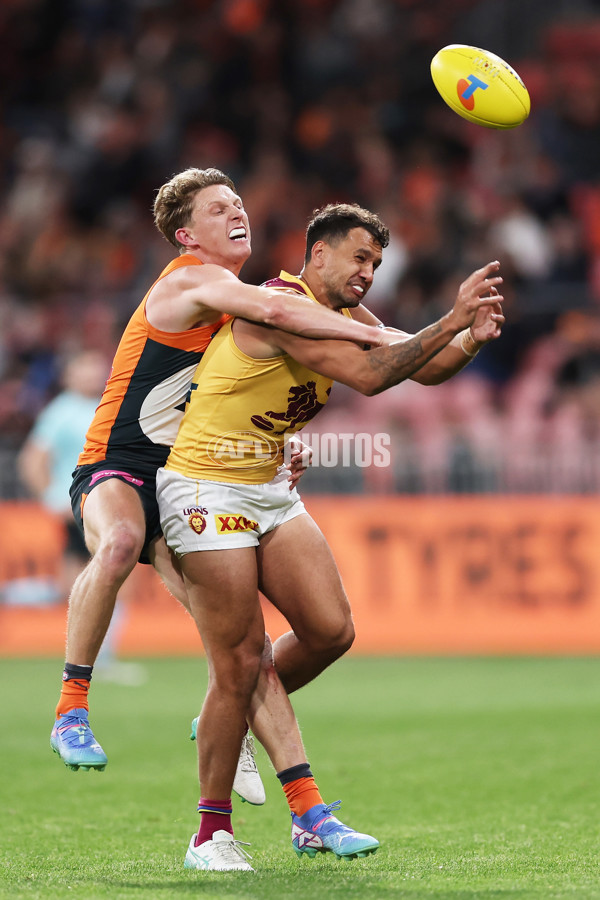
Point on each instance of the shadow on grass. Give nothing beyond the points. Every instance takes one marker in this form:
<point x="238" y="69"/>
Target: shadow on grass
<point x="262" y="886"/>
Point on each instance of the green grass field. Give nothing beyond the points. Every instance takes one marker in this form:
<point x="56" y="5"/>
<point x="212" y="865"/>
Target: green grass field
<point x="480" y="777"/>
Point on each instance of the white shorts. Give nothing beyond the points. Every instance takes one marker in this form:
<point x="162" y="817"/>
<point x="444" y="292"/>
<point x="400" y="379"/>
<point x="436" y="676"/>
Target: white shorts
<point x="216" y="515"/>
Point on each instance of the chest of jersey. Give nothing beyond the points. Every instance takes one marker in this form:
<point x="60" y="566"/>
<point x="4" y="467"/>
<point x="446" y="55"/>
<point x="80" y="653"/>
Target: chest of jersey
<point x="241" y="412"/>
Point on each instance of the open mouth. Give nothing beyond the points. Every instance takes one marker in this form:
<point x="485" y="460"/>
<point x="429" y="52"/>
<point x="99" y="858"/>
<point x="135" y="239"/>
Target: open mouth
<point x="237" y="234"/>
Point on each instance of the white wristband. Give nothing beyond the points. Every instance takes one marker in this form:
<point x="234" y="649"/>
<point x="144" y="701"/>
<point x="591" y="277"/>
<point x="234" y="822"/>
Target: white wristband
<point x="468" y="344"/>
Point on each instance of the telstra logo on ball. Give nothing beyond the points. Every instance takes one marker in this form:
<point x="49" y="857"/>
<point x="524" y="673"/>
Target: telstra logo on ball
<point x="466" y="88"/>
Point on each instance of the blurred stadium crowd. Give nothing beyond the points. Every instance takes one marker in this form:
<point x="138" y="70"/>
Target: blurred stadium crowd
<point x="304" y="102"/>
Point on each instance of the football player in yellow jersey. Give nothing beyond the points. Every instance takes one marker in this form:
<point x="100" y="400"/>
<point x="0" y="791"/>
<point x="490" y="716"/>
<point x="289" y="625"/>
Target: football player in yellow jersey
<point x="223" y="488"/>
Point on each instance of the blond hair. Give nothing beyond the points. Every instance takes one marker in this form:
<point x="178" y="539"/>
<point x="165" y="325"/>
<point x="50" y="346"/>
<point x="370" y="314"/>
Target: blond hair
<point x="175" y="199"/>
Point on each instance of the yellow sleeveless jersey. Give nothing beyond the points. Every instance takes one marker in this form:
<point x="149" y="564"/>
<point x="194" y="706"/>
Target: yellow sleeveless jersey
<point x="242" y="410"/>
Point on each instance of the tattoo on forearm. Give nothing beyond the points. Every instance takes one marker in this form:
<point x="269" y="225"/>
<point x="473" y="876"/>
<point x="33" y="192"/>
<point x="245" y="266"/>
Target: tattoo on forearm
<point x="394" y="364"/>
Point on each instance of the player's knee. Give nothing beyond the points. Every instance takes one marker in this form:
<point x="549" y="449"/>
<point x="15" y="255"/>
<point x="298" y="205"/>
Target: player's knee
<point x="237" y="671"/>
<point x="331" y="641"/>
<point x="349" y="635"/>
<point x="343" y="639"/>
<point x="120" y="551"/>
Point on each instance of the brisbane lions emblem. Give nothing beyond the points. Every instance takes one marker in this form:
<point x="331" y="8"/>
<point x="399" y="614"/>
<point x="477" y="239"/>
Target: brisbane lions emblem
<point x="197" y="523"/>
<point x="303" y="405"/>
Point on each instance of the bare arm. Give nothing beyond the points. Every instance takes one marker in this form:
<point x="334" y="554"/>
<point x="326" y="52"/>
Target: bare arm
<point x="373" y="371"/>
<point x="195" y="295"/>
<point x="33" y="465"/>
<point x="452" y="358"/>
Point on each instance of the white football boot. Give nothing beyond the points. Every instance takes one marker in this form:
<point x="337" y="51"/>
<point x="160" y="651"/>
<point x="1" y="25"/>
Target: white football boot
<point x="221" y="854"/>
<point x="247" y="783"/>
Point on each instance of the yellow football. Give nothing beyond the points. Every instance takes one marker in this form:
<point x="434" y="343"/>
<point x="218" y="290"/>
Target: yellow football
<point x="480" y="86"/>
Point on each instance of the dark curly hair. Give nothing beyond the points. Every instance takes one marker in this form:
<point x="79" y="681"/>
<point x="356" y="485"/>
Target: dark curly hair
<point x="332" y="223"/>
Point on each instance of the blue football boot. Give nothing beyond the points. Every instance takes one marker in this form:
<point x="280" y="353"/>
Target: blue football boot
<point x="74" y="741"/>
<point x="318" y="831"/>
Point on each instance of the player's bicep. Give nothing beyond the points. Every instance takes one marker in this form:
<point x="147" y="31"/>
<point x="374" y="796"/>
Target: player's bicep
<point x="213" y="287"/>
<point x="200" y="292"/>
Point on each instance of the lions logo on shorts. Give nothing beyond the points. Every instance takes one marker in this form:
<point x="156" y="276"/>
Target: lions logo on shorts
<point x="197" y="523"/>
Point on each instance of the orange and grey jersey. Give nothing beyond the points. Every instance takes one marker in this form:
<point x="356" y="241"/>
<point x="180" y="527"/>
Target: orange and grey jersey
<point x="144" y="398"/>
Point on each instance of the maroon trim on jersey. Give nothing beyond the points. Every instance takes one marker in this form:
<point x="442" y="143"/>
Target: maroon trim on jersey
<point x="288" y="285"/>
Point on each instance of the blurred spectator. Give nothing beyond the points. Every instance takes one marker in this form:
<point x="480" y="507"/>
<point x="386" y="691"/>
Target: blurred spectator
<point x="50" y="452"/>
<point x="46" y="463"/>
<point x="304" y="102"/>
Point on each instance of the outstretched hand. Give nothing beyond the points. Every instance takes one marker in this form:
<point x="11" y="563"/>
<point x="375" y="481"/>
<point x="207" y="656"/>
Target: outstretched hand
<point x="478" y="296"/>
<point x="488" y="321"/>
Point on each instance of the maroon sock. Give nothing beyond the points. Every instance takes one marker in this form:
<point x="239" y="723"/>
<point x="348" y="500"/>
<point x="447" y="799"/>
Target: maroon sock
<point x="215" y="815"/>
